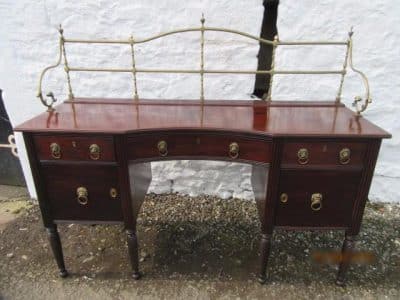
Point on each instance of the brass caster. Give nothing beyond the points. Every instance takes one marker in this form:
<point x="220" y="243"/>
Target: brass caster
<point x="262" y="279"/>
<point x="136" y="275"/>
<point x="340" y="282"/>
<point x="63" y="273"/>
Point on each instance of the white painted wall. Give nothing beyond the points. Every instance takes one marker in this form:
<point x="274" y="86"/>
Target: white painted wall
<point x="28" y="43"/>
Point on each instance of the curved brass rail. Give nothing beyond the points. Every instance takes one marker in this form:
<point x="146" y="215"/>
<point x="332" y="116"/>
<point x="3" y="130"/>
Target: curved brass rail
<point x="50" y="95"/>
<point x="360" y="107"/>
<point x="11" y="144"/>
<point x="216" y="29"/>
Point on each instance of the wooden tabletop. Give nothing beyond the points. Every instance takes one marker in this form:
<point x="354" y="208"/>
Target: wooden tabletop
<point x="88" y="115"/>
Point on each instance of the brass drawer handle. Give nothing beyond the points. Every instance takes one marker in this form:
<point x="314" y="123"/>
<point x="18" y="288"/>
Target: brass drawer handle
<point x="82" y="195"/>
<point x="344" y="156"/>
<point x="302" y="156"/>
<point x="233" y="150"/>
<point x="55" y="150"/>
<point x="113" y="193"/>
<point x="284" y="197"/>
<point x="94" y="151"/>
<point x="316" y="201"/>
<point x="162" y="148"/>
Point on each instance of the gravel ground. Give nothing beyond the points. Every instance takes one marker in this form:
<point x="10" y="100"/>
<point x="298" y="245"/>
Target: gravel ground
<point x="195" y="248"/>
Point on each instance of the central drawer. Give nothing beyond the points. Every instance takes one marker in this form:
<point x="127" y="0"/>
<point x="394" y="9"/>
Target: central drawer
<point x="83" y="193"/>
<point x="199" y="145"/>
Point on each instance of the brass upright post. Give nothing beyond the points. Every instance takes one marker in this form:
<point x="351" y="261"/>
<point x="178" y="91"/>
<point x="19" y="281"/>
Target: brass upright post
<point x="202" y="20"/>
<point x="66" y="66"/>
<point x="135" y="92"/>
<point x="272" y="69"/>
<point x="339" y="93"/>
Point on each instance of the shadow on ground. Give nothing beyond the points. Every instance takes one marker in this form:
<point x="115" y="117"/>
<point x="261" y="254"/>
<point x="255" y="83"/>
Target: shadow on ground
<point x="201" y="247"/>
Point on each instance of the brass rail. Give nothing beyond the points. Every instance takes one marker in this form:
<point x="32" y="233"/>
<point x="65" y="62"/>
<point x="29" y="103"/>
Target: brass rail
<point x="11" y="144"/>
<point x="359" y="103"/>
<point x="203" y="71"/>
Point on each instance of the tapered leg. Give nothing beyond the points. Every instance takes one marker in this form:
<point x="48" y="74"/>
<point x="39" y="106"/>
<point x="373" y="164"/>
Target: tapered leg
<point x="259" y="179"/>
<point x="265" y="249"/>
<point x="140" y="178"/>
<point x="55" y="244"/>
<point x="133" y="253"/>
<point x="347" y="251"/>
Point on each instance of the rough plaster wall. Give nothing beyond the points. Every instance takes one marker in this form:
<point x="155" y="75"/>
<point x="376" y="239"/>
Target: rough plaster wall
<point x="28" y="43"/>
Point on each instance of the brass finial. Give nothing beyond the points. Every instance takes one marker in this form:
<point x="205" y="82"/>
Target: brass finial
<point x="202" y="20"/>
<point x="60" y="30"/>
<point x="351" y="32"/>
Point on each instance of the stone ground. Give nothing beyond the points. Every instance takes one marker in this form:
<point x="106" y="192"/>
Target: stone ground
<point x="191" y="248"/>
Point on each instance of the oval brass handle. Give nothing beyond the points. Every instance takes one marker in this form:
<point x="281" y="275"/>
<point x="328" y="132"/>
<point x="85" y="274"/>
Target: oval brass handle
<point x="162" y="148"/>
<point x="302" y="156"/>
<point x="94" y="151"/>
<point x="284" y="197"/>
<point x="233" y="150"/>
<point x="82" y="195"/>
<point x="344" y="156"/>
<point x="316" y="201"/>
<point x="55" y="150"/>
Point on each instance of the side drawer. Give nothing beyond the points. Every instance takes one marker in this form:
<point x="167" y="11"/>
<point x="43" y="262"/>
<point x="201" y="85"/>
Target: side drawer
<point x="185" y="145"/>
<point x="83" y="193"/>
<point x="316" y="198"/>
<point x="324" y="153"/>
<point x="85" y="148"/>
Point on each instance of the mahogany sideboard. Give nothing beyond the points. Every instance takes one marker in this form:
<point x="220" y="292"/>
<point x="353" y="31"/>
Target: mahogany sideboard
<point x="312" y="161"/>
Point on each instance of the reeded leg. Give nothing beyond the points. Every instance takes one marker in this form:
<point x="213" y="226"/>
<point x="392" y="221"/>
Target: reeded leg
<point x="265" y="249"/>
<point x="133" y="253"/>
<point x="55" y="244"/>
<point x="347" y="250"/>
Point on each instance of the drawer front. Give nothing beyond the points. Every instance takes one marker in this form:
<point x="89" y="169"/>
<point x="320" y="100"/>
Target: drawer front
<point x="85" y="148"/>
<point x="324" y="153"/>
<point x="84" y="193"/>
<point x="316" y="198"/>
<point x="230" y="147"/>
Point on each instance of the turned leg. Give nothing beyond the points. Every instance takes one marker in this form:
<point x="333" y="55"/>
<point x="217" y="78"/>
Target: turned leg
<point x="347" y="251"/>
<point x="265" y="249"/>
<point x="55" y="244"/>
<point x="133" y="253"/>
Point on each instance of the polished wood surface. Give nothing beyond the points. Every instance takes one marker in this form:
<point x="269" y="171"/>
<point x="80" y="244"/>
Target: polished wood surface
<point x="275" y="119"/>
<point x="268" y="135"/>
